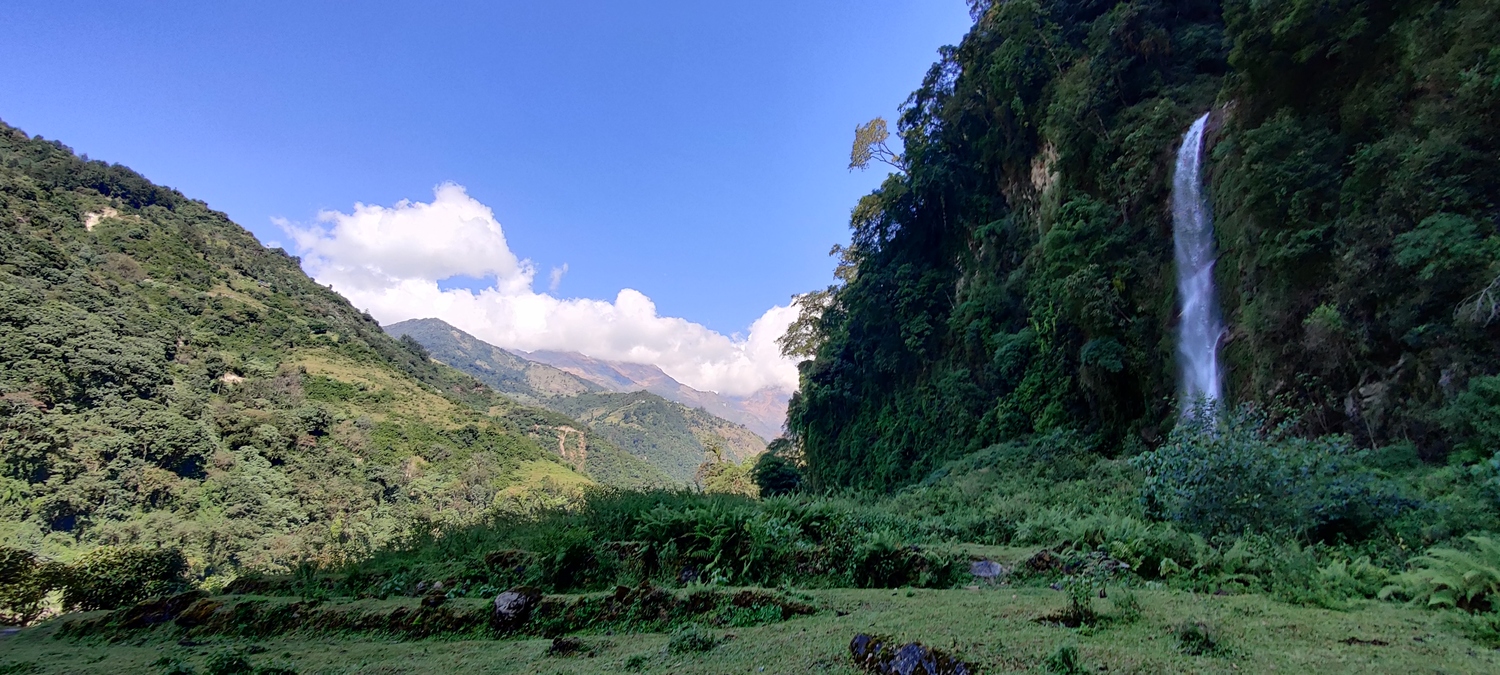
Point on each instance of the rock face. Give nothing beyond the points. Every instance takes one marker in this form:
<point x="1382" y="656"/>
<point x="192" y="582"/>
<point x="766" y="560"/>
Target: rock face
<point x="878" y="655"/>
<point x="514" y="607"/>
<point x="986" y="569"/>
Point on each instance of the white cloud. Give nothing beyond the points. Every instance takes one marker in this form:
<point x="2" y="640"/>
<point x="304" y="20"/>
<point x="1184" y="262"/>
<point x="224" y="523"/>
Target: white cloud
<point x="557" y="275"/>
<point x="389" y="260"/>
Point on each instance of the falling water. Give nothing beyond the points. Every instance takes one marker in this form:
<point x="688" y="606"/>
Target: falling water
<point x="1193" y="233"/>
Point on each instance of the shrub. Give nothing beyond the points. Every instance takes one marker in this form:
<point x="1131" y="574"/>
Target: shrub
<point x="567" y="557"/>
<point x="1197" y="638"/>
<point x="1448" y="577"/>
<point x="1472" y="418"/>
<point x="1064" y="661"/>
<point x="1127" y="606"/>
<point x="692" y="638"/>
<point x="1239" y="475"/>
<point x="227" y="663"/>
<point x="24" y="583"/>
<point x="109" y="577"/>
<point x="776" y="475"/>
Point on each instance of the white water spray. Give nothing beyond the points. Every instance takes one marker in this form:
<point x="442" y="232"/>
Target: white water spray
<point x="1200" y="326"/>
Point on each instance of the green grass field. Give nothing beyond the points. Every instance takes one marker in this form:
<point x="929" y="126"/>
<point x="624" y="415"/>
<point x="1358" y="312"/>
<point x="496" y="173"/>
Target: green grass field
<point x="998" y="629"/>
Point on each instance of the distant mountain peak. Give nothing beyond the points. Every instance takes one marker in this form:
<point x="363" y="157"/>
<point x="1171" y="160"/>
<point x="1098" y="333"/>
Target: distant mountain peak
<point x="567" y="373"/>
<point x="763" y="412"/>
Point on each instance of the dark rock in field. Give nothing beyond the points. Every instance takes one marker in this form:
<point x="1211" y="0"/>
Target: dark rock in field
<point x="987" y="569"/>
<point x="159" y="611"/>
<point x="879" y="655"/>
<point x="688" y="575"/>
<point x="434" y="599"/>
<point x="249" y="584"/>
<point x="565" y="646"/>
<point x="1044" y="561"/>
<point x="514" y="607"/>
<point x="198" y="613"/>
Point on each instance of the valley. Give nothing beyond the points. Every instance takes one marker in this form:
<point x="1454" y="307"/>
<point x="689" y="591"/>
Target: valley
<point x="1166" y="343"/>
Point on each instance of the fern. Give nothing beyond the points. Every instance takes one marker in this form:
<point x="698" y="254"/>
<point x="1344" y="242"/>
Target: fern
<point x="1448" y="577"/>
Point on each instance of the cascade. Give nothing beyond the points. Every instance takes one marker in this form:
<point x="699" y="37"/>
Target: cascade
<point x="1200" y="327"/>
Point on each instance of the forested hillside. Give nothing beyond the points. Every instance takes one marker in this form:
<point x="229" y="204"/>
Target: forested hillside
<point x="670" y="436"/>
<point x="1013" y="276"/>
<point x="526" y="381"/>
<point x="168" y="380"/>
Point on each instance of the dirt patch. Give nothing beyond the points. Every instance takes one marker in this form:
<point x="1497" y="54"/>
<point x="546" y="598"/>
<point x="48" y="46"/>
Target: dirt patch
<point x="92" y="218"/>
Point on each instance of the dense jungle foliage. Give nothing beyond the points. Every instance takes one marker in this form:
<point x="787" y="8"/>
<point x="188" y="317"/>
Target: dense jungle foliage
<point x="1014" y="276"/>
<point x="168" y="381"/>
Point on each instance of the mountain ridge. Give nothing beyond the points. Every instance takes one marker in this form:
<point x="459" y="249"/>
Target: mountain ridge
<point x="672" y="436"/>
<point x="763" y="412"/>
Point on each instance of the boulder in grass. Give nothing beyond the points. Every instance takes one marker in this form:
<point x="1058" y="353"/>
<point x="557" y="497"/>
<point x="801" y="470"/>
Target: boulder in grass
<point x="987" y="569"/>
<point x="880" y="656"/>
<point x="160" y="610"/>
<point x="514" y="607"/>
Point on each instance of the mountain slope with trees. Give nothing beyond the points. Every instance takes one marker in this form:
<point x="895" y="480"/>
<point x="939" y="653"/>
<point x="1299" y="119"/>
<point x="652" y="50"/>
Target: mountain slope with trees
<point x="527" y="381"/>
<point x="673" y="437"/>
<point x="166" y="380"/>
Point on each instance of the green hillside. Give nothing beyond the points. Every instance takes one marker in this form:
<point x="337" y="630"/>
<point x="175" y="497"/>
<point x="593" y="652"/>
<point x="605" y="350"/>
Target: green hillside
<point x="167" y="380"/>
<point x="670" y="436"/>
<point x="1014" y="276"/>
<point x="526" y="381"/>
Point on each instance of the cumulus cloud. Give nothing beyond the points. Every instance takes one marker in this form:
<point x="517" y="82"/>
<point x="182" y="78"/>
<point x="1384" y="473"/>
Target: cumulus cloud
<point x="389" y="260"/>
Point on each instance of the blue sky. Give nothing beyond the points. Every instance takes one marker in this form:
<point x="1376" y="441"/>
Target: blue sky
<point x="695" y="152"/>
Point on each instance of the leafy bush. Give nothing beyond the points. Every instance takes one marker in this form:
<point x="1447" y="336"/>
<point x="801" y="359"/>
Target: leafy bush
<point x="1065" y="661"/>
<point x="227" y="662"/>
<point x="1473" y="417"/>
<point x="110" y="577"/>
<point x="1447" y="577"/>
<point x="1197" y="638"/>
<point x="692" y="638"/>
<point x="776" y="475"/>
<point x="24" y="583"/>
<point x="1238" y="474"/>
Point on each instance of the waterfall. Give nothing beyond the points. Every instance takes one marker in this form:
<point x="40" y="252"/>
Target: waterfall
<point x="1200" y="326"/>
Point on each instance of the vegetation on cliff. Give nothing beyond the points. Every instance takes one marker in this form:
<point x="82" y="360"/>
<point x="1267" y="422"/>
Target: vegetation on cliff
<point x="1014" y="276"/>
